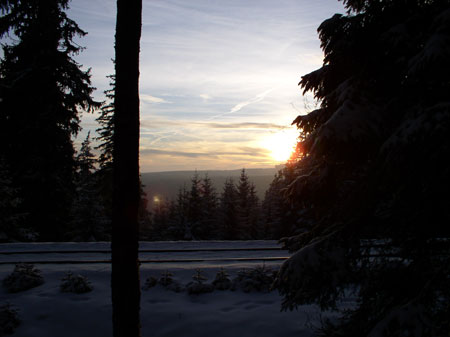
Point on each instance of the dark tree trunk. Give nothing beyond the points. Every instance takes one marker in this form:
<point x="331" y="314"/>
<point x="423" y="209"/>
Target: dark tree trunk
<point x="125" y="265"/>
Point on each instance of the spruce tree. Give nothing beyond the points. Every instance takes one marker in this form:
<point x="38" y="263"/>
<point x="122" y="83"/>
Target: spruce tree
<point x="106" y="145"/>
<point x="11" y="216"/>
<point x="255" y="229"/>
<point x="106" y="129"/>
<point x="85" y="160"/>
<point x="160" y="220"/>
<point x="209" y="204"/>
<point x="144" y="215"/>
<point x="279" y="218"/>
<point x="194" y="207"/>
<point x="87" y="217"/>
<point x="244" y="206"/>
<point x="229" y="221"/>
<point x="178" y="223"/>
<point x="42" y="93"/>
<point x="371" y="181"/>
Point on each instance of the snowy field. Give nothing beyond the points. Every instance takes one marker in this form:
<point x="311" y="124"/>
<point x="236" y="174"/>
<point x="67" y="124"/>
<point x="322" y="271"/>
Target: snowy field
<point x="46" y="311"/>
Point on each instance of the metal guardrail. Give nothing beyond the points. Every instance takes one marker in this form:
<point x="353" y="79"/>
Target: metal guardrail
<point x="107" y="251"/>
<point x="143" y="260"/>
<point x="237" y="259"/>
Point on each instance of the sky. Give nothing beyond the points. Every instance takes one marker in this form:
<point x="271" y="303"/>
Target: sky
<point x="218" y="78"/>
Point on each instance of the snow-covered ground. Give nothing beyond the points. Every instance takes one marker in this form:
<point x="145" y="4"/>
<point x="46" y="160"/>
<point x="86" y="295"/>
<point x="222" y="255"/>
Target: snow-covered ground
<point x="46" y="311"/>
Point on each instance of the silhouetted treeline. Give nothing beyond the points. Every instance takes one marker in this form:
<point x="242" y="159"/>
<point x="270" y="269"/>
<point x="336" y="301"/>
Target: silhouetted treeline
<point x="200" y="212"/>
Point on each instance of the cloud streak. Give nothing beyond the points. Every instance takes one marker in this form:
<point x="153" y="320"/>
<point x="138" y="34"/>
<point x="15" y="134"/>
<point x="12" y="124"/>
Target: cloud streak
<point x="247" y="151"/>
<point x="241" y="105"/>
<point x="161" y="123"/>
<point x="255" y="99"/>
<point x="244" y="125"/>
<point x="152" y="99"/>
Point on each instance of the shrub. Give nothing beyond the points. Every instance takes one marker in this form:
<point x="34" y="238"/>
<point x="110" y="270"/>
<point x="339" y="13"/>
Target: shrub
<point x="75" y="284"/>
<point x="25" y="276"/>
<point x="9" y="319"/>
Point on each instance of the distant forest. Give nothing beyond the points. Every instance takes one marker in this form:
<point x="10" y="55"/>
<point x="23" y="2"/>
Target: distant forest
<point x="201" y="212"/>
<point x="166" y="184"/>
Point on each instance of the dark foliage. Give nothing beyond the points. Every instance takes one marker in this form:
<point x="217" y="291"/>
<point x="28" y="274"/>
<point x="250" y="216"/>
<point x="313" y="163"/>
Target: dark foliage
<point x="106" y="129"/>
<point x="198" y="286"/>
<point x="12" y="220"/>
<point x="75" y="283"/>
<point x="279" y="217"/>
<point x="229" y="211"/>
<point x="89" y="220"/>
<point x="42" y="92"/>
<point x="370" y="183"/>
<point x="258" y="279"/>
<point x="150" y="282"/>
<point x="9" y="319"/>
<point x="24" y="277"/>
<point x="222" y="280"/>
<point x="201" y="214"/>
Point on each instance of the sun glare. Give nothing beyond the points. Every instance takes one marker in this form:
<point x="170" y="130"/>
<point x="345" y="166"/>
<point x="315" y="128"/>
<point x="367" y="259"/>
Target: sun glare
<point x="281" y="144"/>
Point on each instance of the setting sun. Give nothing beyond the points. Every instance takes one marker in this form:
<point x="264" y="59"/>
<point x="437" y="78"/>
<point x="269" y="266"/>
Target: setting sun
<point x="281" y="144"/>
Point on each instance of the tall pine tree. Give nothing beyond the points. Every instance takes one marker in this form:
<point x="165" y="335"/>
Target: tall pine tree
<point x="106" y="147"/>
<point x="209" y="206"/>
<point x="229" y="221"/>
<point x="11" y="217"/>
<point x="42" y="93"/>
<point x="194" y="208"/>
<point x="106" y="129"/>
<point x="87" y="217"/>
<point x="373" y="177"/>
<point x="255" y="229"/>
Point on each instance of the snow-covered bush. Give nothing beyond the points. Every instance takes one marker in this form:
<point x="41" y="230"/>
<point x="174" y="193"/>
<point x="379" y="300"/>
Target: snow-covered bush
<point x="198" y="287"/>
<point x="78" y="284"/>
<point x="9" y="319"/>
<point x="319" y="262"/>
<point x="24" y="276"/>
<point x="258" y="279"/>
<point x="222" y="280"/>
<point x="150" y="282"/>
<point x="169" y="283"/>
<point x="166" y="278"/>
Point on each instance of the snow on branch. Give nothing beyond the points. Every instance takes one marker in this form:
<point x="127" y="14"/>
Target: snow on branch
<point x="319" y="263"/>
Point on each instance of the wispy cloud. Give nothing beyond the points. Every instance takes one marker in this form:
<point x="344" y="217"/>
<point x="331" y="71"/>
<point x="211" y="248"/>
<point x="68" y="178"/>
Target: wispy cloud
<point x="173" y="153"/>
<point x="163" y="123"/>
<point x="255" y="99"/>
<point x="152" y="99"/>
<point x="206" y="85"/>
<point x="245" y="151"/>
<point x="205" y="97"/>
<point x="243" y="104"/>
<point x="245" y="125"/>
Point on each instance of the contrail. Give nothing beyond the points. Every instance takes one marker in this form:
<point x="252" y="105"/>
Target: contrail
<point x="239" y="106"/>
